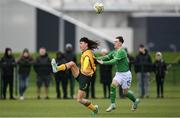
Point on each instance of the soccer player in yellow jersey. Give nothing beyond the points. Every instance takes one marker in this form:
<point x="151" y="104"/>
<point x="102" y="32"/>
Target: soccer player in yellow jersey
<point x="83" y="74"/>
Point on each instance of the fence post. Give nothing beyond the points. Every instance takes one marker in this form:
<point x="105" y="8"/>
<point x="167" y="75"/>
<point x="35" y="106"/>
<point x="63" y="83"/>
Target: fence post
<point x="1" y="84"/>
<point x="16" y="80"/>
<point x="174" y="74"/>
<point x="142" y="79"/>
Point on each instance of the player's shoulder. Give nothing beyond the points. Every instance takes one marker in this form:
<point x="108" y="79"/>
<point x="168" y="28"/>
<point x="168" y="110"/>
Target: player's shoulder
<point x="121" y="50"/>
<point x="112" y="52"/>
<point x="88" y="53"/>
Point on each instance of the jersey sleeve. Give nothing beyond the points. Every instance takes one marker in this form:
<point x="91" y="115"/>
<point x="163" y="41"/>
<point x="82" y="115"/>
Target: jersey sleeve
<point x="110" y="62"/>
<point x="106" y="57"/>
<point x="120" y="55"/>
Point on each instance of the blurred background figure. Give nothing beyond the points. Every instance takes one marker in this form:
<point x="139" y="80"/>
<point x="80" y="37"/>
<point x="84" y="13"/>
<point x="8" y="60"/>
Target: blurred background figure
<point x="160" y="69"/>
<point x="91" y="87"/>
<point x="24" y="63"/>
<point x="70" y="56"/>
<point x="8" y="64"/>
<point x="105" y="76"/>
<point x="60" y="77"/>
<point x="43" y="70"/>
<point x="143" y="66"/>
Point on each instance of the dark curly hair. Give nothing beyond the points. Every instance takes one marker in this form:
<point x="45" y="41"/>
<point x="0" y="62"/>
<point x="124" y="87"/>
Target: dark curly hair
<point x="91" y="44"/>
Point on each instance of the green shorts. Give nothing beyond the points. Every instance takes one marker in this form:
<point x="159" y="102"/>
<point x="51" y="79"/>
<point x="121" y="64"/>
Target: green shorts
<point x="84" y="82"/>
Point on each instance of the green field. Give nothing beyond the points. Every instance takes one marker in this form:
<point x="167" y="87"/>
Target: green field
<point x="149" y="107"/>
<point x="70" y="108"/>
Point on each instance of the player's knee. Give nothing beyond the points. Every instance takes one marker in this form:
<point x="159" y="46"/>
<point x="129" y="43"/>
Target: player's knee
<point x="113" y="85"/>
<point x="71" y="63"/>
<point x="125" y="91"/>
<point x="79" y="100"/>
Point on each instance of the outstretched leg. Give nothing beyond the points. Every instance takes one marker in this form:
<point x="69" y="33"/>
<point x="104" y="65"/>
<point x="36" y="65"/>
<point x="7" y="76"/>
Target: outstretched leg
<point x="70" y="65"/>
<point x="129" y="94"/>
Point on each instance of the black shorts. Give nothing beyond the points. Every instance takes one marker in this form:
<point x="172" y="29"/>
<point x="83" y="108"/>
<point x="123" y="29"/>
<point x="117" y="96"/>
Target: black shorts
<point x="84" y="82"/>
<point x="43" y="79"/>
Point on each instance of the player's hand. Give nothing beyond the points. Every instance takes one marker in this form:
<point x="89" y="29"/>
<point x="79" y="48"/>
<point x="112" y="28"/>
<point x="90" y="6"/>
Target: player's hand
<point x="100" y="62"/>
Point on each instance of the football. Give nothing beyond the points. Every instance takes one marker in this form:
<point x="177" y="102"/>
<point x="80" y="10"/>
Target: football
<point x="99" y="8"/>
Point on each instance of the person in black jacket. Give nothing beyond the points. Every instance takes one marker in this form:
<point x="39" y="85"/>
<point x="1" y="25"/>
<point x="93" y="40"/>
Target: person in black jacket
<point x="91" y="87"/>
<point x="8" y="63"/>
<point x="160" y="71"/>
<point x="60" y="77"/>
<point x="70" y="56"/>
<point x="24" y="64"/>
<point x="143" y="65"/>
<point x="106" y="76"/>
<point x="43" y="70"/>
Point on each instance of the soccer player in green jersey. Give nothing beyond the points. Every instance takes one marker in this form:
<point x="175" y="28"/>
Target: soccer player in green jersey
<point x="123" y="76"/>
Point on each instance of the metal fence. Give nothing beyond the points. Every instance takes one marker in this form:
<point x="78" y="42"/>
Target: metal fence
<point x="172" y="75"/>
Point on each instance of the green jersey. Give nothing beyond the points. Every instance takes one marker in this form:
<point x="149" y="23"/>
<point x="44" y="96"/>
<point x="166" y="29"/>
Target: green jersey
<point x="117" y="57"/>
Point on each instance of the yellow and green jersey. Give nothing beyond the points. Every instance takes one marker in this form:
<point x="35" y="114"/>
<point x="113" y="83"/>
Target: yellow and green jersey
<point x="118" y="58"/>
<point x="87" y="63"/>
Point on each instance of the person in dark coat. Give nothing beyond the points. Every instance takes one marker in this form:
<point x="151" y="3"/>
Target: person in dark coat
<point x="43" y="70"/>
<point x="70" y="56"/>
<point x="60" y="77"/>
<point x="91" y="87"/>
<point x="106" y="76"/>
<point x="8" y="64"/>
<point x="143" y="67"/>
<point x="24" y="63"/>
<point x="160" y="69"/>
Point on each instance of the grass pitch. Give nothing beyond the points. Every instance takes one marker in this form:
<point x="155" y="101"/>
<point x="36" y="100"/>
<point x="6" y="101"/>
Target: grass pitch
<point x="70" y="108"/>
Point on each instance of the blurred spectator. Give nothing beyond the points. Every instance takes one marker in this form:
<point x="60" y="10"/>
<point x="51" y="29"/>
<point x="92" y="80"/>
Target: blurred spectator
<point x="24" y="63"/>
<point x="8" y="63"/>
<point x="105" y="76"/>
<point x="70" y="56"/>
<point x="91" y="87"/>
<point x="60" y="77"/>
<point x="43" y="70"/>
<point x="131" y="62"/>
<point x="143" y="66"/>
<point x="160" y="70"/>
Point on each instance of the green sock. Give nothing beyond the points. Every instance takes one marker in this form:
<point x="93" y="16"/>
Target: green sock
<point x="131" y="96"/>
<point x="113" y="94"/>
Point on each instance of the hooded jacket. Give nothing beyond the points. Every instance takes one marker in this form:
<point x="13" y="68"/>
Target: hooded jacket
<point x="160" y="68"/>
<point x="25" y="65"/>
<point x="7" y="63"/>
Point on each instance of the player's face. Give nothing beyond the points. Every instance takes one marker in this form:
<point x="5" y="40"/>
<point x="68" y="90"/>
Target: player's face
<point x="117" y="44"/>
<point x="83" y="46"/>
